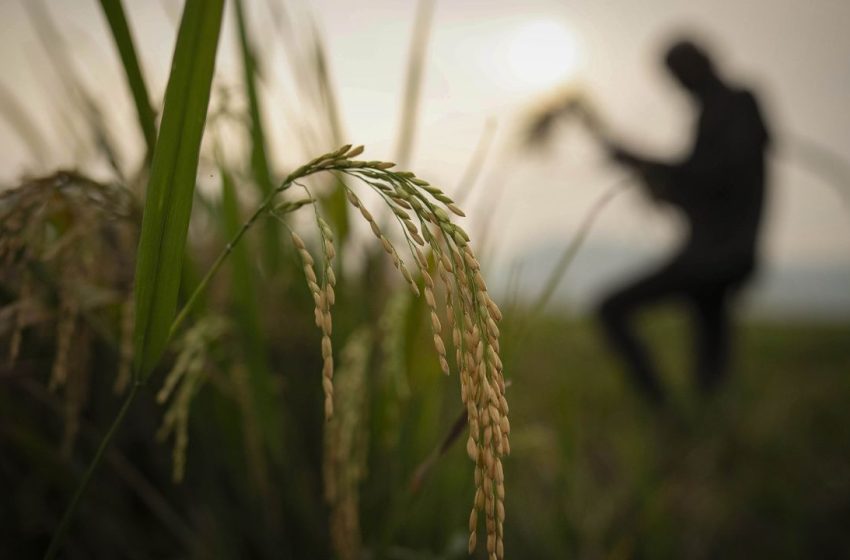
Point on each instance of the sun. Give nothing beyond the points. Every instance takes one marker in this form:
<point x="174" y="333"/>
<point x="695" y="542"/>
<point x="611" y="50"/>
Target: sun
<point x="543" y="53"/>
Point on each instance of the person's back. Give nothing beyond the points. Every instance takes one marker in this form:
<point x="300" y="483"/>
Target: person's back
<point x="720" y="186"/>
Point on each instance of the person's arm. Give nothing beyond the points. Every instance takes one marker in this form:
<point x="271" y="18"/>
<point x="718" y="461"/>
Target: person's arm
<point x="726" y="148"/>
<point x="721" y="150"/>
<point x="655" y="176"/>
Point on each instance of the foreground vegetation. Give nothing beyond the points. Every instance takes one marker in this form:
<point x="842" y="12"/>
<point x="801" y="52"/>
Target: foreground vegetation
<point x="762" y="472"/>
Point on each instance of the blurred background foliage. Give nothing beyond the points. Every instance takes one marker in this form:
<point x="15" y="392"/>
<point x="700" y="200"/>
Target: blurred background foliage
<point x="764" y="471"/>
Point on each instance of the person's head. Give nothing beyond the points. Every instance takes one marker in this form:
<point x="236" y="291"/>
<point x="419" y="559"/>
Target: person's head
<point x="691" y="67"/>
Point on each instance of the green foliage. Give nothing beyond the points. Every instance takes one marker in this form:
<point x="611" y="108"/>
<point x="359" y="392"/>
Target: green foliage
<point x="251" y="338"/>
<point x="114" y="12"/>
<point x="261" y="172"/>
<point x="168" y="202"/>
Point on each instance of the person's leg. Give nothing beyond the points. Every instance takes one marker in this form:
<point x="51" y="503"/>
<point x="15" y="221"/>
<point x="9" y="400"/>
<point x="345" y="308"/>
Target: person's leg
<point x="712" y="329"/>
<point x="616" y="313"/>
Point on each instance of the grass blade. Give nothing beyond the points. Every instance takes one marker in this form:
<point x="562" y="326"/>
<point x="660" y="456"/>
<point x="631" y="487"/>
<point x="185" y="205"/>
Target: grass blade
<point x="114" y="12"/>
<point x="259" y="160"/>
<point x="334" y="203"/>
<point x="57" y="50"/>
<point x="560" y="269"/>
<point x="261" y="387"/>
<point x="260" y="169"/>
<point x="168" y="202"/>
<point x="413" y="81"/>
<point x="17" y="117"/>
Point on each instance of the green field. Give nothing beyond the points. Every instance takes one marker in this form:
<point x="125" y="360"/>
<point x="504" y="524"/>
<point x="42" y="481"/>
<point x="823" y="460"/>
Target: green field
<point x="762" y="472"/>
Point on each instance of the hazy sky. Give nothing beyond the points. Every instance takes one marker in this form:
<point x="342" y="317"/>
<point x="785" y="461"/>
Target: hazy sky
<point x="491" y="59"/>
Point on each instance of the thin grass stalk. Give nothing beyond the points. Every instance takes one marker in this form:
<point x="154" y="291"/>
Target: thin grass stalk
<point x="553" y="281"/>
<point x="822" y="160"/>
<point x="334" y="204"/>
<point x="575" y="244"/>
<point x="250" y="330"/>
<point x="19" y="119"/>
<point x="327" y="92"/>
<point x="260" y="168"/>
<point x="219" y="261"/>
<point x="413" y="80"/>
<point x="55" y="47"/>
<point x="114" y="12"/>
<point x="144" y="489"/>
<point x="259" y="158"/>
<point x="476" y="163"/>
<point x="68" y="516"/>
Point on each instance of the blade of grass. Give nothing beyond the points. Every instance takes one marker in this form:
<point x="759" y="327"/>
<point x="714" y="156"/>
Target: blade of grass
<point x="260" y="170"/>
<point x="167" y="208"/>
<point x="57" y="50"/>
<point x="473" y="168"/>
<point x="571" y="250"/>
<point x="168" y="203"/>
<point x="114" y="12"/>
<point x="259" y="159"/>
<point x="65" y="523"/>
<point x="334" y="203"/>
<point x="244" y="291"/>
<point x="821" y="160"/>
<point x="312" y="79"/>
<point x="19" y="119"/>
<point x="413" y="81"/>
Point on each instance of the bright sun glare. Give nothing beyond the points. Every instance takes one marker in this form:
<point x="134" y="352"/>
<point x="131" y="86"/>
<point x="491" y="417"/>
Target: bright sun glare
<point x="543" y="53"/>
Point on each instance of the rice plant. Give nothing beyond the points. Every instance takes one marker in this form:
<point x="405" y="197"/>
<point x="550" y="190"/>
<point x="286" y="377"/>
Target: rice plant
<point x="169" y="316"/>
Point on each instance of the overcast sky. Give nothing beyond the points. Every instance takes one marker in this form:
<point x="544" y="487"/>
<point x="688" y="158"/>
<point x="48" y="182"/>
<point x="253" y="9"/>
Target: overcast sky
<point x="490" y="60"/>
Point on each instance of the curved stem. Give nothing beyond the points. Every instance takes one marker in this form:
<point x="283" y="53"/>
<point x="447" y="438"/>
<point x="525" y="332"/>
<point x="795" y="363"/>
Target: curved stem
<point x="65" y="523"/>
<point x="202" y="286"/>
<point x="571" y="250"/>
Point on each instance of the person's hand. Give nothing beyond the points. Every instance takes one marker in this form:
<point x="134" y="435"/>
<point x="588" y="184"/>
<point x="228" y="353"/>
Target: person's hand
<point x="620" y="155"/>
<point x="539" y="130"/>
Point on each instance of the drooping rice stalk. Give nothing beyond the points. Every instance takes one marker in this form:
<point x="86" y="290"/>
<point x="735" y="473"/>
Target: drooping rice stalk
<point x="421" y="212"/>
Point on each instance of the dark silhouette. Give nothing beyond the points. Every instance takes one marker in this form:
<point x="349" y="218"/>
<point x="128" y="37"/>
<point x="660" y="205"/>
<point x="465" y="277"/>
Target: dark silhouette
<point x="719" y="187"/>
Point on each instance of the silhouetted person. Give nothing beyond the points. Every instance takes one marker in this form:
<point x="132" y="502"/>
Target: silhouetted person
<point x="719" y="187"/>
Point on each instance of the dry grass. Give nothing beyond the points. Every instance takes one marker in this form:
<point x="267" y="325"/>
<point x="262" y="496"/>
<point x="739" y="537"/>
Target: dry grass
<point x="66" y="245"/>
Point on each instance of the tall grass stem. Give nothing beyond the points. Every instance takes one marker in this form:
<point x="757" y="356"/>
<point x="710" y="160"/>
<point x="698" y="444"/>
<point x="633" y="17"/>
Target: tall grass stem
<point x="71" y="510"/>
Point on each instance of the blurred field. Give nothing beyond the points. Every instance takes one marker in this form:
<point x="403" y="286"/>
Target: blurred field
<point x="761" y="473"/>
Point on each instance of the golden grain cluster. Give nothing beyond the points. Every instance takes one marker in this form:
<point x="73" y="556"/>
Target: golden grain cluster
<point x="437" y="245"/>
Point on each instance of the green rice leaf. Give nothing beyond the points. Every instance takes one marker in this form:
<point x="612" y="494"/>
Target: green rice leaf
<point x="260" y="169"/>
<point x="114" y="12"/>
<point x="168" y="202"/>
<point x="248" y="319"/>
